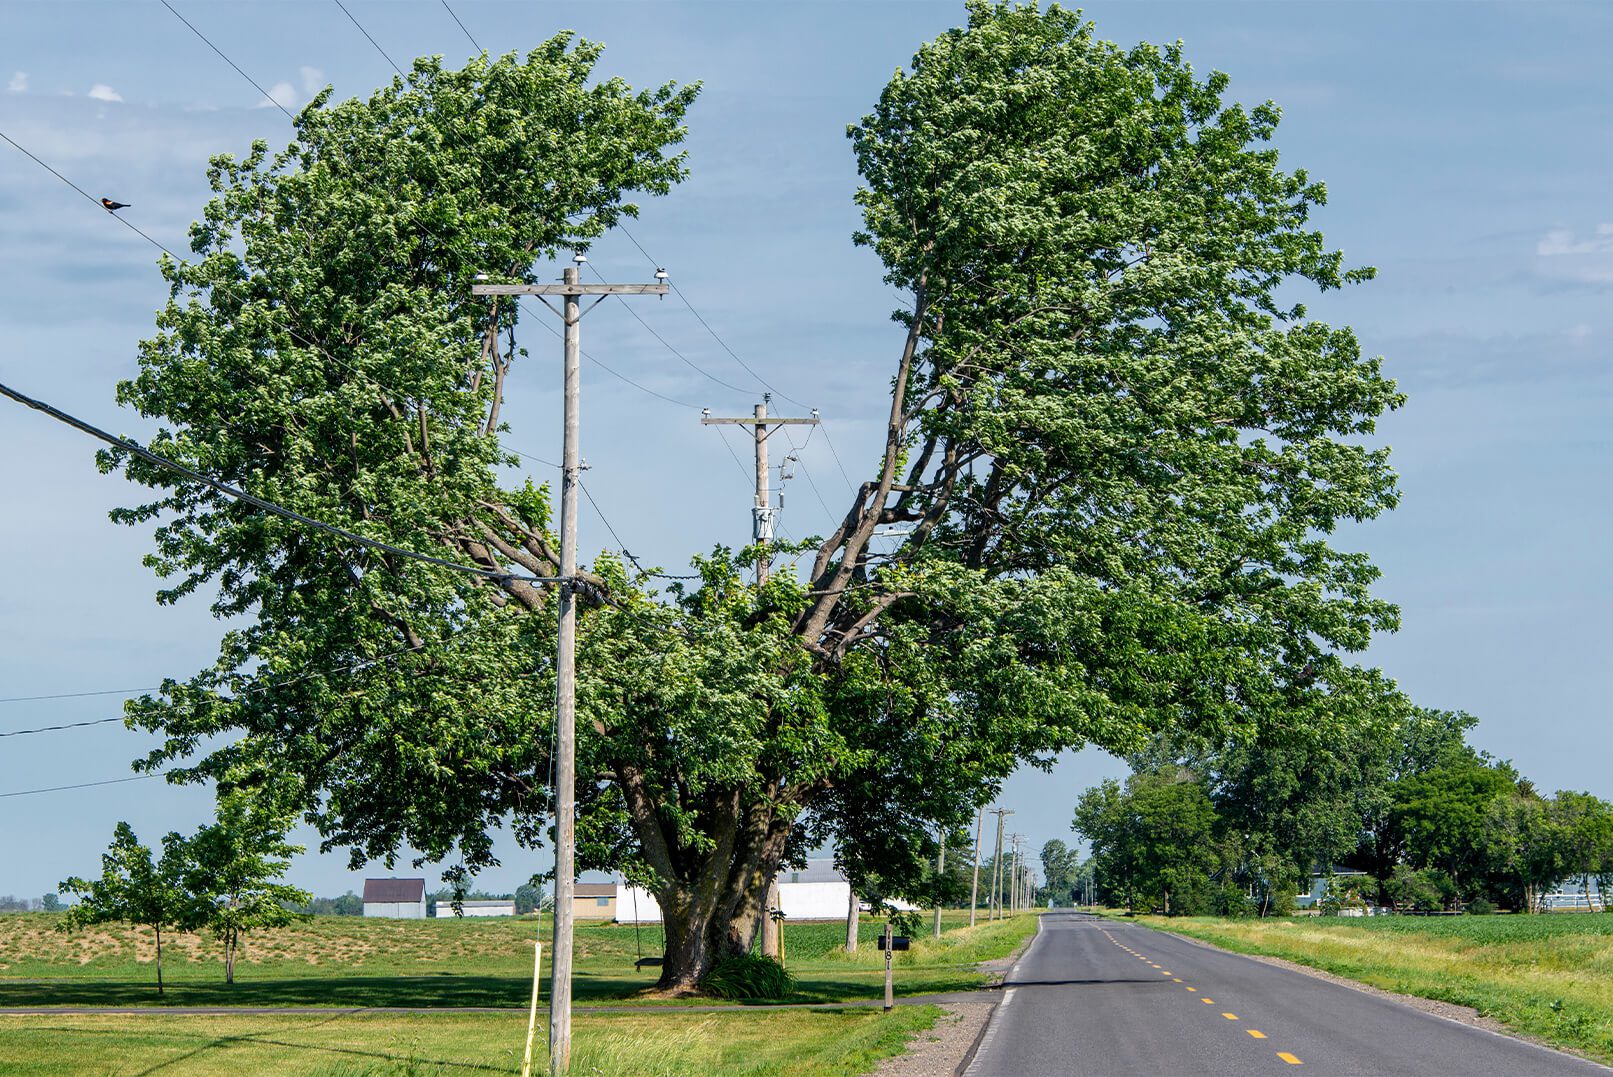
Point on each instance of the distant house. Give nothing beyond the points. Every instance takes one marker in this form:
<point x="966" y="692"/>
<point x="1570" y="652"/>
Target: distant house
<point x="816" y="892"/>
<point x="504" y="907"/>
<point x="594" y="901"/>
<point x="401" y="899"/>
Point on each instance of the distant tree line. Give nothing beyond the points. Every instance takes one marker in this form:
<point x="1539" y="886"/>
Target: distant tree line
<point x="1429" y="823"/>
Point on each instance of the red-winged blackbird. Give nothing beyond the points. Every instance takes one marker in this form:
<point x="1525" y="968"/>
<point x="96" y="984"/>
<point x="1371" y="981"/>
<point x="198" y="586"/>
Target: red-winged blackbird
<point x="111" y="205"/>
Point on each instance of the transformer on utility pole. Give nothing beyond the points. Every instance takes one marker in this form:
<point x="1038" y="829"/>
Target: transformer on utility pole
<point x="763" y="513"/>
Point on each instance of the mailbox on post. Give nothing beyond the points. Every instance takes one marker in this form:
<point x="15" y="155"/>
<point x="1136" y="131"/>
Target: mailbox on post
<point x="893" y="942"/>
<point x="890" y="943"/>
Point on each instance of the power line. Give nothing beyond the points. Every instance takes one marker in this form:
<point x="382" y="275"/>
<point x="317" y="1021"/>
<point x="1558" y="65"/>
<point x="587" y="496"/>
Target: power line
<point x="724" y="344"/>
<point x="735" y="356"/>
<point x="91" y="198"/>
<point x="622" y="545"/>
<point x="83" y="785"/>
<point x="258" y="502"/>
<point x="79" y="695"/>
<point x="690" y="363"/>
<point x="370" y="39"/>
<point x="451" y="14"/>
<point x="267" y="96"/>
<point x="54" y="728"/>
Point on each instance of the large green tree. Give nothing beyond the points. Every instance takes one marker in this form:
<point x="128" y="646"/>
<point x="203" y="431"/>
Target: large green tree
<point x="1115" y="450"/>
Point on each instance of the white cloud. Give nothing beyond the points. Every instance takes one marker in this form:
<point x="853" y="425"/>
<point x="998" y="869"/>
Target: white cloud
<point x="18" y="83"/>
<point x="313" y="80"/>
<point x="1562" y="241"/>
<point x="1568" y="255"/>
<point x="281" y="94"/>
<point x="102" y="92"/>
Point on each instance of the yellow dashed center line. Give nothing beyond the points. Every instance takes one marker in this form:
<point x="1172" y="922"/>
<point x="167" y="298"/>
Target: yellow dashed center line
<point x="1190" y="988"/>
<point x="1230" y="1016"/>
<point x="1288" y="1058"/>
<point x="1256" y="1033"/>
<point x="1209" y="1002"/>
<point x="1167" y="972"/>
<point x="1176" y="979"/>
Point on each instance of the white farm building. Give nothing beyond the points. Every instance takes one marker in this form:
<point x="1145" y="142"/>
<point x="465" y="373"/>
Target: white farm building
<point x="816" y="892"/>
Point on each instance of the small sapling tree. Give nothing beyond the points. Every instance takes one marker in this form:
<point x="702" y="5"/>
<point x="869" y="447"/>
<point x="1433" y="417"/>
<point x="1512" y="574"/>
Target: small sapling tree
<point x="135" y="889"/>
<point x="232" y="873"/>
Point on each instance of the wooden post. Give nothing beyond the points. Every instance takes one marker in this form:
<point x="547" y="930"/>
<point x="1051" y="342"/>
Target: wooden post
<point x="890" y="998"/>
<point x="940" y="867"/>
<point x="571" y="289"/>
<point x="565" y="877"/>
<point x="974" y="887"/>
<point x="770" y="925"/>
<point x="997" y="866"/>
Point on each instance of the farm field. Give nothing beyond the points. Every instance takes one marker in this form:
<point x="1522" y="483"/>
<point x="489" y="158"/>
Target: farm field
<point x="349" y="1045"/>
<point x="1549" y="977"/>
<point x="353" y="961"/>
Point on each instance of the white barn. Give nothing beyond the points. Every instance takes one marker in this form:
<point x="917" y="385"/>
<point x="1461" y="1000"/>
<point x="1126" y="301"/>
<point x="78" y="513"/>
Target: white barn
<point x="400" y="899"/>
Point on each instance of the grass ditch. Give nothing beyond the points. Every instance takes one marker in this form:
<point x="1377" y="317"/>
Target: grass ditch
<point x="1548" y="977"/>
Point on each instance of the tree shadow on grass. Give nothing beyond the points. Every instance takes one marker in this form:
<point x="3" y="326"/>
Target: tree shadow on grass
<point x="430" y="991"/>
<point x="265" y="1039"/>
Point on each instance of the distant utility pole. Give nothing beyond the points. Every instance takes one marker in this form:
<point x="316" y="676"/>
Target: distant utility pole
<point x="997" y="866"/>
<point x="1013" y="874"/>
<point x="762" y="512"/>
<point x="940" y="867"/>
<point x="974" y="887"/>
<point x="565" y="848"/>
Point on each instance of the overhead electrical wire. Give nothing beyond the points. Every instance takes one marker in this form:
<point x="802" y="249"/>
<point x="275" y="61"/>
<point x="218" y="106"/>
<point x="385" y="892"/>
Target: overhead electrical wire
<point x="267" y="96"/>
<point x="268" y="506"/>
<point x="474" y="43"/>
<point x="83" y="785"/>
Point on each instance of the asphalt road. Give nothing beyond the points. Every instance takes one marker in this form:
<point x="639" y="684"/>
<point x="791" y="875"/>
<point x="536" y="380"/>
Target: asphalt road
<point x="1095" y="996"/>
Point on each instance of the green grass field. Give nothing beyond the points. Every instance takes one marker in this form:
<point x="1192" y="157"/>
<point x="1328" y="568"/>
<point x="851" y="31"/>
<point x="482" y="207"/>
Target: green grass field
<point x="1549" y="977"/>
<point x="660" y="1043"/>
<point x="353" y="961"/>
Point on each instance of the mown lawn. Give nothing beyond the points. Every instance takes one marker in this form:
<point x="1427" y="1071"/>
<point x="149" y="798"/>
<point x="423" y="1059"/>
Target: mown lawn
<point x="352" y="961"/>
<point x="1550" y="976"/>
<point x="659" y="1042"/>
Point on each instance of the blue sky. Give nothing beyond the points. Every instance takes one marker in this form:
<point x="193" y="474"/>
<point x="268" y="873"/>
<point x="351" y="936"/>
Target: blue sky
<point x="1466" y="148"/>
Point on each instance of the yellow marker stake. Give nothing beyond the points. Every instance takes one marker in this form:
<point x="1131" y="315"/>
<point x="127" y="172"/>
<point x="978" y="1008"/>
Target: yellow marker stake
<point x="1256" y="1033"/>
<point x="532" y="1017"/>
<point x="1288" y="1058"/>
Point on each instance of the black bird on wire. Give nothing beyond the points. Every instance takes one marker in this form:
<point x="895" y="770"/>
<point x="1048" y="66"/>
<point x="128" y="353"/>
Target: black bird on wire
<point x="113" y="207"/>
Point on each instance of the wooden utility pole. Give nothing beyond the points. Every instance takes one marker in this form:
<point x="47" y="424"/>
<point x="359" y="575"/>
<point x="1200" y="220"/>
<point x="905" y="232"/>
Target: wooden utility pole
<point x="940" y="867"/>
<point x="997" y="866"/>
<point x="974" y="887"/>
<point x="565" y="714"/>
<point x="762" y="512"/>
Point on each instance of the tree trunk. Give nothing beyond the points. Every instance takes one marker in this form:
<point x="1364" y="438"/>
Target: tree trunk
<point x="717" y="905"/>
<point x="229" y="957"/>
<point x="159" y="957"/>
<point x="852" y="911"/>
